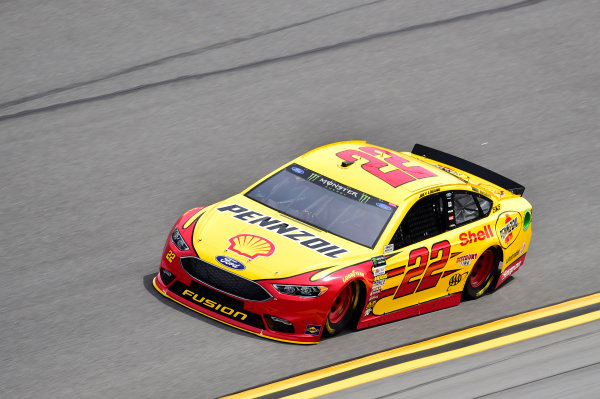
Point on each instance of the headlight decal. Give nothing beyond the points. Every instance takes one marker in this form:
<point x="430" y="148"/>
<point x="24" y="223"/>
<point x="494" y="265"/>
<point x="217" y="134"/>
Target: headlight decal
<point x="306" y="291"/>
<point x="178" y="240"/>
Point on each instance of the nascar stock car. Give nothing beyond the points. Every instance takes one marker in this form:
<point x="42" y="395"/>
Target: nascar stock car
<point x="349" y="235"/>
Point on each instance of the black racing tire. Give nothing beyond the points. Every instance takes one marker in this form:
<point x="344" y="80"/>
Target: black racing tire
<point x="342" y="309"/>
<point x="482" y="274"/>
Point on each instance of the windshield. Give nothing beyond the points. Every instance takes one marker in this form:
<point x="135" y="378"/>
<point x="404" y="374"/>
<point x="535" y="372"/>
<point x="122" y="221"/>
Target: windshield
<point x="326" y="204"/>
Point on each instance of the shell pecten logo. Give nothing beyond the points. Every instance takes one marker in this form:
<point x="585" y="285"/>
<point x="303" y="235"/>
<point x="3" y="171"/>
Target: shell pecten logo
<point x="251" y="246"/>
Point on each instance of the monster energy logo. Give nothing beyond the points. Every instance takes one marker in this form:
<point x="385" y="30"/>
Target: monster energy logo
<point x="364" y="198"/>
<point x="313" y="177"/>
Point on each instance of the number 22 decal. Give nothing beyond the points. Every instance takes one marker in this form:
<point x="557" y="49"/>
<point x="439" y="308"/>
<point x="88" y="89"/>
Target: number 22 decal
<point x="404" y="174"/>
<point x="420" y="257"/>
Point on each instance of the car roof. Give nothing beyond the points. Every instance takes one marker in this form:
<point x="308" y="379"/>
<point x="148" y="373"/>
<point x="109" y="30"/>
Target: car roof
<point x="325" y="160"/>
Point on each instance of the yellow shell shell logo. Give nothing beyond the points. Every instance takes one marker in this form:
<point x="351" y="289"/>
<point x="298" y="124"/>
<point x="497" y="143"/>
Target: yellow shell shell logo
<point x="251" y="246"/>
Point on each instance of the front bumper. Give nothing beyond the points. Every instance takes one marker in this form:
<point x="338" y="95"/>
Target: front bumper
<point x="303" y="317"/>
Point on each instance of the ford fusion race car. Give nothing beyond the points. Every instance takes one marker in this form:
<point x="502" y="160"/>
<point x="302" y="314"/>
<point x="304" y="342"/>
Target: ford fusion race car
<point x="349" y="235"/>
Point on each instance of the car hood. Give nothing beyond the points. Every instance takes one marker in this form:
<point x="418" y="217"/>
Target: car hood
<point x="265" y="244"/>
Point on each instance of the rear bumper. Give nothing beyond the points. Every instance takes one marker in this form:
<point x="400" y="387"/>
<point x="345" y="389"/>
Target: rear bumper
<point x="510" y="270"/>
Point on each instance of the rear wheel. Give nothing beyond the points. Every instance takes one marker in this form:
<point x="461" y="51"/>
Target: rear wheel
<point x="481" y="275"/>
<point x="342" y="309"/>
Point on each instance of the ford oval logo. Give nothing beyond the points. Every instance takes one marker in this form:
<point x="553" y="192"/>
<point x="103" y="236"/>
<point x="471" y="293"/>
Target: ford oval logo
<point x="384" y="206"/>
<point x="230" y="263"/>
<point x="298" y="170"/>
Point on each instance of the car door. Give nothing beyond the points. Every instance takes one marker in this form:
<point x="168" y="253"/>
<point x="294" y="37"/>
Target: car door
<point x="432" y="254"/>
<point x="415" y="266"/>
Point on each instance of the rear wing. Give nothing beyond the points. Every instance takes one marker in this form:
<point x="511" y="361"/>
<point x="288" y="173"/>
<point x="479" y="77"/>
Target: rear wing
<point x="469" y="167"/>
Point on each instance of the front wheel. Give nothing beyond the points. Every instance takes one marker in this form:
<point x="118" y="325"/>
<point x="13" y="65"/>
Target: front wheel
<point x="342" y="309"/>
<point x="482" y="274"/>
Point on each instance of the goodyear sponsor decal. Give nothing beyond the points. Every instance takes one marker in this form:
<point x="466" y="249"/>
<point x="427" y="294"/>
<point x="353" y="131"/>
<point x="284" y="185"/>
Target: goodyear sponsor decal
<point x="352" y="274"/>
<point x="284" y="229"/>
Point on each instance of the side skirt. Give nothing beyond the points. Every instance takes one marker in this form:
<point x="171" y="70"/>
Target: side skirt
<point x="426" y="307"/>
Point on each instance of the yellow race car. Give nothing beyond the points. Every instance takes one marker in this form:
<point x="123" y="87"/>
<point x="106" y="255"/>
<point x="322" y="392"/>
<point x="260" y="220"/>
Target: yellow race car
<point x="349" y="235"/>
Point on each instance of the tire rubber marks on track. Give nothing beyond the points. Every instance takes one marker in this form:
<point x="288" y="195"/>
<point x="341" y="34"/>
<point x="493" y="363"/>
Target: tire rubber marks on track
<point x="242" y="67"/>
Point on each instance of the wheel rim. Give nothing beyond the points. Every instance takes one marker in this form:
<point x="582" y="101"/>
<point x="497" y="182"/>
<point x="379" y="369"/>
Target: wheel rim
<point x="340" y="305"/>
<point x="482" y="269"/>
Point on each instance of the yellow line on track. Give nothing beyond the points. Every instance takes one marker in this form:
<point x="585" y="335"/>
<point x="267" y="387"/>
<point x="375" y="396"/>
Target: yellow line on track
<point x="420" y="346"/>
<point x="443" y="357"/>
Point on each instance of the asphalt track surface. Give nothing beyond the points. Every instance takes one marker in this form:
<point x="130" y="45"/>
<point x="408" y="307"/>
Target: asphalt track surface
<point x="116" y="117"/>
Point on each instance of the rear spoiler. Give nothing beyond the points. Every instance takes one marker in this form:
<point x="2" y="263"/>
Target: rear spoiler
<point x="469" y="167"/>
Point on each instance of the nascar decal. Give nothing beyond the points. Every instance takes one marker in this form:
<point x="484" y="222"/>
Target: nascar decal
<point x="294" y="233"/>
<point x="379" y="279"/>
<point x="251" y="246"/>
<point x="379" y="263"/>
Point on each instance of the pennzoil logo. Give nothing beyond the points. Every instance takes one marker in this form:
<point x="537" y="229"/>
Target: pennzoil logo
<point x="284" y="229"/>
<point x="251" y="246"/>
<point x="511" y="225"/>
<point x="215" y="306"/>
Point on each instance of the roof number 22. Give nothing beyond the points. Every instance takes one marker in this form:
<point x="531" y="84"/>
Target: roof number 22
<point x="404" y="174"/>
